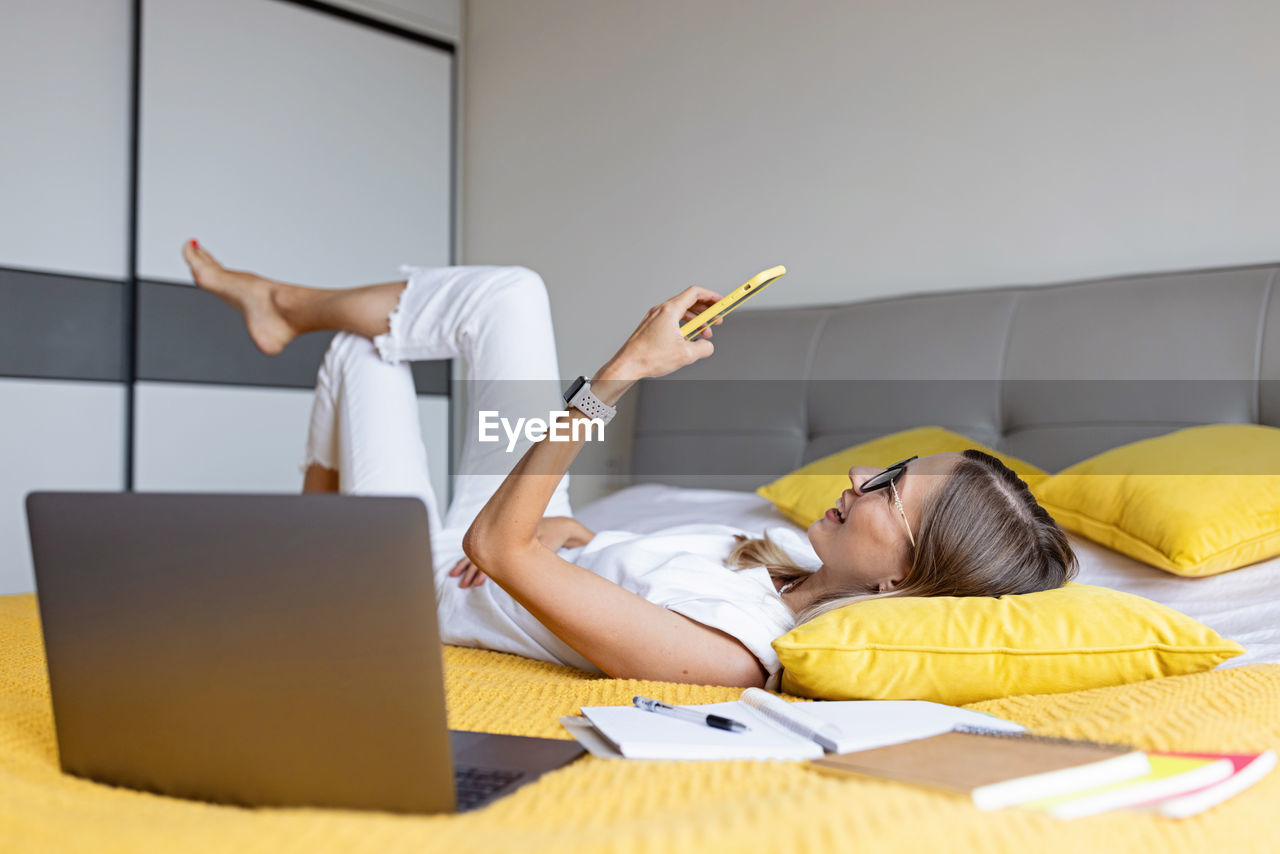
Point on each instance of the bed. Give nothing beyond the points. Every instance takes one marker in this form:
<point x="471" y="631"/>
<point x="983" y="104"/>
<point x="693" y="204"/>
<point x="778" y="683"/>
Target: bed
<point x="1051" y="374"/>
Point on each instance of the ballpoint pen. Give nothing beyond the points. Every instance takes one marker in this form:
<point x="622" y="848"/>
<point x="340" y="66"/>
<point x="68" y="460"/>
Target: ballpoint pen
<point x="715" y="721"/>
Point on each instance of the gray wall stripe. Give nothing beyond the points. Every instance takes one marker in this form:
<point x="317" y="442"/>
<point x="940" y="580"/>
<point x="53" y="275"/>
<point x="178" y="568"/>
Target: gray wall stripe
<point x="189" y="335"/>
<point x="61" y="327"/>
<point x="73" y="328"/>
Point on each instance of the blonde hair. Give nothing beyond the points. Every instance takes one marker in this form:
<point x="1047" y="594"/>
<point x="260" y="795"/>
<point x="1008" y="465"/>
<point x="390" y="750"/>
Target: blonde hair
<point x="981" y="534"/>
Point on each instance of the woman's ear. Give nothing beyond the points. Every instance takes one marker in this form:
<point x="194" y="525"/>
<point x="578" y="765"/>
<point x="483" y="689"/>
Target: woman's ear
<point x="890" y="582"/>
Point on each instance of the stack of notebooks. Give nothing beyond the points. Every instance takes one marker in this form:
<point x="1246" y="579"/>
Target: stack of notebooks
<point x="1066" y="778"/>
<point x="994" y="762"/>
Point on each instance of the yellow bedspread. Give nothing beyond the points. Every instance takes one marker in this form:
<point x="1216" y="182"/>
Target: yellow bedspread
<point x="610" y="805"/>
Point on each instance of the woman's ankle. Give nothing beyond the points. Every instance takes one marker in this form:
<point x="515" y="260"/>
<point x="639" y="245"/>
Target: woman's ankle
<point x="295" y="303"/>
<point x="319" y="479"/>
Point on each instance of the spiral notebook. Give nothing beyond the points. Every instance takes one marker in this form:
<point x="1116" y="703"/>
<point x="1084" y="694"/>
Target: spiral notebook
<point x="779" y="730"/>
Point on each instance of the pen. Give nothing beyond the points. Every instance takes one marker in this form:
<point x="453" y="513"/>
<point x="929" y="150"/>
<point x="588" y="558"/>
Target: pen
<point x="716" y="721"/>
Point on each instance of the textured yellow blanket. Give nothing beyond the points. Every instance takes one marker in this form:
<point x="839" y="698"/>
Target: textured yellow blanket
<point x="611" y="805"/>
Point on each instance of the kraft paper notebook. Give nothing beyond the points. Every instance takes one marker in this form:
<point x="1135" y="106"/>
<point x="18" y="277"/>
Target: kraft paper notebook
<point x="996" y="769"/>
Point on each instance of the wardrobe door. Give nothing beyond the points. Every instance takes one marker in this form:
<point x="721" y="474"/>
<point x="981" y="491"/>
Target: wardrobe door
<point x="64" y="152"/>
<point x="213" y="438"/>
<point x="440" y="18"/>
<point x="55" y="434"/>
<point x="64" y="179"/>
<point x="297" y="143"/>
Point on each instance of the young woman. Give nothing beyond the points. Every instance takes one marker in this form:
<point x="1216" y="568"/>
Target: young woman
<point x="698" y="603"/>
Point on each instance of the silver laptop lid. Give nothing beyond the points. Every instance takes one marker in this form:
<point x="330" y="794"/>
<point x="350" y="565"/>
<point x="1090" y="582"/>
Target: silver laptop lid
<point x="256" y="649"/>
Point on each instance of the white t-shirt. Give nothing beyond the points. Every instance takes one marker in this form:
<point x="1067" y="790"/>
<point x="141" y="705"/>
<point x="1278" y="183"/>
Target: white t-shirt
<point x="679" y="568"/>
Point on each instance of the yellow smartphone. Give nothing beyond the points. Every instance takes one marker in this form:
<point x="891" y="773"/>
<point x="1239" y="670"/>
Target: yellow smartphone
<point x="744" y="292"/>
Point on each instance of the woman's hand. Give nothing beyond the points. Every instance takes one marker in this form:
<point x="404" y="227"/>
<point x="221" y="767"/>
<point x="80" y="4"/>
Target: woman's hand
<point x="563" y="532"/>
<point x="554" y="532"/>
<point x="503" y="534"/>
<point x="656" y="347"/>
<point x="471" y="575"/>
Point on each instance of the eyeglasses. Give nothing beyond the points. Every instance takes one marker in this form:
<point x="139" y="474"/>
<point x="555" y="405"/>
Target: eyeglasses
<point x="888" y="479"/>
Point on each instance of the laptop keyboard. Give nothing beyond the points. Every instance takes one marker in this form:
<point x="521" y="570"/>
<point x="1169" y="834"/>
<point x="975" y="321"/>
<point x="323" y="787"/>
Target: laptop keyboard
<point x="476" y="786"/>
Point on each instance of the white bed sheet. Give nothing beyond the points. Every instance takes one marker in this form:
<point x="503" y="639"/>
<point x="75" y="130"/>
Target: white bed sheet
<point x="1243" y="605"/>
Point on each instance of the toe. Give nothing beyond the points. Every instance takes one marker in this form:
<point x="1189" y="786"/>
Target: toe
<point x="194" y="253"/>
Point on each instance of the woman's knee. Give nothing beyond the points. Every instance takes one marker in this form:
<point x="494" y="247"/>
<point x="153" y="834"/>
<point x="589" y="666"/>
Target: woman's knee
<point x="526" y="282"/>
<point x="522" y="296"/>
<point x="346" y="346"/>
<point x="346" y="351"/>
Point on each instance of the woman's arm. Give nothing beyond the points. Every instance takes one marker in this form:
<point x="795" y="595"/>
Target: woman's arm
<point x="554" y="532"/>
<point x="623" y="634"/>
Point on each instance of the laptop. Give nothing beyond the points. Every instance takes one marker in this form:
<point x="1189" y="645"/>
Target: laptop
<point x="260" y="650"/>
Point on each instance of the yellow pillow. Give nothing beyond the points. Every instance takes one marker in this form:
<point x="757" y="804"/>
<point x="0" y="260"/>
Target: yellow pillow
<point x="806" y="493"/>
<point x="964" y="649"/>
<point x="1196" y="502"/>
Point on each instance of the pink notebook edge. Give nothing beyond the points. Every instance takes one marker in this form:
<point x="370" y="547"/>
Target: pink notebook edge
<point x="1253" y="766"/>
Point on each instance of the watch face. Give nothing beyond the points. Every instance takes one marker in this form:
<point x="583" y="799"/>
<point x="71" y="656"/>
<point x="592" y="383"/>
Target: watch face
<point x="574" y="388"/>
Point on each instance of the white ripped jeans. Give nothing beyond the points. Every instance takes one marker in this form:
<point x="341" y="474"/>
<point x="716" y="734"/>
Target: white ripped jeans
<point x="364" y="421"/>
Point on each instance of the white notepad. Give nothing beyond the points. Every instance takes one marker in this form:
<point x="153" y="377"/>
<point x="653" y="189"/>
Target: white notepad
<point x="779" y="730"/>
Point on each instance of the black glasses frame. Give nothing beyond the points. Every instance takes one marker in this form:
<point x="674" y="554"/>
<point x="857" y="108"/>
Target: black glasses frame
<point x="892" y="474"/>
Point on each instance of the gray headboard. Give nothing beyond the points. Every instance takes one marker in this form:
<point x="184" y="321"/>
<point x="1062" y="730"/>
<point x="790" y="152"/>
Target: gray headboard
<point x="1052" y="374"/>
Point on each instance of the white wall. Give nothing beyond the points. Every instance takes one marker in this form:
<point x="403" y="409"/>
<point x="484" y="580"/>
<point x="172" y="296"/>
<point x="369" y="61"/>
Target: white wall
<point x="625" y="150"/>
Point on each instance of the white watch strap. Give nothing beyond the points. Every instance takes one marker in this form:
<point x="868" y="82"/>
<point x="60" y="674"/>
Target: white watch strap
<point x="586" y="402"/>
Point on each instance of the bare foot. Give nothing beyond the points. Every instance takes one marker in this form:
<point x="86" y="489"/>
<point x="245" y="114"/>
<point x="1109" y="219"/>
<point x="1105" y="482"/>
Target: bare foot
<point x="253" y="296"/>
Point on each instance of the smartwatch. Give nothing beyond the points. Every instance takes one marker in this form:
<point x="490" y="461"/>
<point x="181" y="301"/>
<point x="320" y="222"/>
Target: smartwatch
<point x="580" y="397"/>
